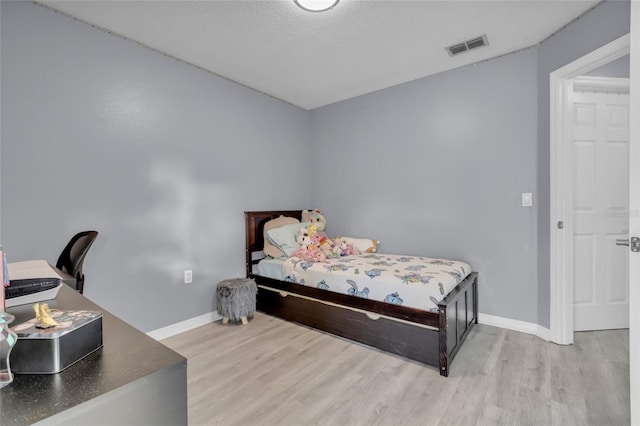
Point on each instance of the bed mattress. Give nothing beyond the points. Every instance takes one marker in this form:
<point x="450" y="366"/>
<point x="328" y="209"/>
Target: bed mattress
<point x="411" y="281"/>
<point x="271" y="268"/>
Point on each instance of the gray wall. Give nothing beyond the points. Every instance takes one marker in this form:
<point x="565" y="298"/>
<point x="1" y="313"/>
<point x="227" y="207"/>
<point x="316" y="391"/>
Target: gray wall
<point x="436" y="167"/>
<point x="160" y="157"/>
<point x="618" y="69"/>
<point x="607" y="22"/>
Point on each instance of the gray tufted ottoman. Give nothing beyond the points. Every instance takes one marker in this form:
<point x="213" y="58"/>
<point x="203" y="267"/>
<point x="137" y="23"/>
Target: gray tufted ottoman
<point x="237" y="299"/>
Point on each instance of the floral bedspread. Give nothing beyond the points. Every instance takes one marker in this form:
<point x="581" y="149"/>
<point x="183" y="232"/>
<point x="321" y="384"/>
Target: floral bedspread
<point x="413" y="281"/>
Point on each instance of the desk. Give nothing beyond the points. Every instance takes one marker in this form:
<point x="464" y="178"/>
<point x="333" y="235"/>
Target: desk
<point x="132" y="380"/>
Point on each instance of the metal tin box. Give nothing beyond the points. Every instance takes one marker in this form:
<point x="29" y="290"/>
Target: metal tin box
<point x="51" y="350"/>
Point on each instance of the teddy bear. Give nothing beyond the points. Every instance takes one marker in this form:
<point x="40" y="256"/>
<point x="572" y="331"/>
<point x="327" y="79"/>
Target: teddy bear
<point x="316" y="230"/>
<point x="342" y="248"/>
<point x="315" y="218"/>
<point x="316" y="238"/>
<point x="303" y="238"/>
<point x="336" y="249"/>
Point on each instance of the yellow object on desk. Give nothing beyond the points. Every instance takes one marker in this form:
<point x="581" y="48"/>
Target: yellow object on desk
<point x="43" y="316"/>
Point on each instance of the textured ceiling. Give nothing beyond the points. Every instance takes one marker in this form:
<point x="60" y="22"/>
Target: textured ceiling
<point x="314" y="59"/>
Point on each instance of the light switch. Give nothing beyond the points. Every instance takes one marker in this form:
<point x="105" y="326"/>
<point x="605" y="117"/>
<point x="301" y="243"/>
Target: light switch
<point x="527" y="199"/>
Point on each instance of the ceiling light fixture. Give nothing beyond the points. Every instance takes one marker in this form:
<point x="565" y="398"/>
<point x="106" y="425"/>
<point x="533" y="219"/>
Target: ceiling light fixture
<point x="316" y="5"/>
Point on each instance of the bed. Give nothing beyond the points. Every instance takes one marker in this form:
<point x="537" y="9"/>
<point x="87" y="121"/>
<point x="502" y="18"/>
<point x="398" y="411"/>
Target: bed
<point x="431" y="336"/>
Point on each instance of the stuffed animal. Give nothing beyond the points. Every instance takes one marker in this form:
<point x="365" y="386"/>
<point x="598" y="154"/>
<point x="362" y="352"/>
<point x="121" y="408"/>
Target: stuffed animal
<point x="364" y="245"/>
<point x="327" y="248"/>
<point x="319" y="240"/>
<point x="316" y="218"/>
<point x="336" y="249"/>
<point x="348" y="249"/>
<point x="309" y="255"/>
<point x="316" y="238"/>
<point x="342" y="248"/>
<point x="303" y="238"/>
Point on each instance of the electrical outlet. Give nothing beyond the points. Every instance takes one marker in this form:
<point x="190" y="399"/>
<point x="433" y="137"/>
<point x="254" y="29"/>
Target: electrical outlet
<point x="188" y="276"/>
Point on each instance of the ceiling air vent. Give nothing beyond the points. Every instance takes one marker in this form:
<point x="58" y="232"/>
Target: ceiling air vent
<point x="474" y="43"/>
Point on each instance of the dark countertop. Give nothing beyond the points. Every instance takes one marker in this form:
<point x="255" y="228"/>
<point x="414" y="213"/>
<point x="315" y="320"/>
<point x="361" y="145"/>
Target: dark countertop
<point x="127" y="356"/>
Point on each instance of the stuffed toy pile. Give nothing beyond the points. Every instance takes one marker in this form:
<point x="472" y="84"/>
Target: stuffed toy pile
<point x="308" y="250"/>
<point x="314" y="244"/>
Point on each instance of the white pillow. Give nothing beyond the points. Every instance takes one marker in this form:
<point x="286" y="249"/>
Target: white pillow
<point x="284" y="237"/>
<point x="269" y="248"/>
<point x="364" y="245"/>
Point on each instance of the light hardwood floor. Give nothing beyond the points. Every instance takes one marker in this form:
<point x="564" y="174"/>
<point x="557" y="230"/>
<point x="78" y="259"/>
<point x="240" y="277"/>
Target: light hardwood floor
<point x="271" y="372"/>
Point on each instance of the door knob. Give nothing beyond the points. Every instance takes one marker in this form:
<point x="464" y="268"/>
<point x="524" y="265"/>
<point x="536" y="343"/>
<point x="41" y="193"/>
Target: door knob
<point x="635" y="243"/>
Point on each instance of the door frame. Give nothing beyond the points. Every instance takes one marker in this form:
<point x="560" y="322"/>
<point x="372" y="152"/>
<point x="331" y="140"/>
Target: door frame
<point x="561" y="245"/>
<point x="634" y="222"/>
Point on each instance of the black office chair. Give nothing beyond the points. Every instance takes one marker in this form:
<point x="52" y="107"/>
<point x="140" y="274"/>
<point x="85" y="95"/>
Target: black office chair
<point x="72" y="257"/>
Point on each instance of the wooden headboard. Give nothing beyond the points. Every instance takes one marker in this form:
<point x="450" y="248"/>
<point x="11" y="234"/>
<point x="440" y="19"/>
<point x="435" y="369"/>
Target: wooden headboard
<point x="254" y="231"/>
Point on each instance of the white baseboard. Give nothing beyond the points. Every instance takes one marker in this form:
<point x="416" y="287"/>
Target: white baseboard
<point x="486" y="319"/>
<point x="515" y="325"/>
<point x="544" y="333"/>
<point x="186" y="325"/>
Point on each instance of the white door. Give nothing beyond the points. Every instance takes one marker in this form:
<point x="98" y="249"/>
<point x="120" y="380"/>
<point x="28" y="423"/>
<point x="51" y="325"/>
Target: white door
<point x="600" y="149"/>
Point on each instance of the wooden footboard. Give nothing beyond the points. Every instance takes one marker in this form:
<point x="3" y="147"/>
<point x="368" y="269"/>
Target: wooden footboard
<point x="458" y="314"/>
<point x="432" y="338"/>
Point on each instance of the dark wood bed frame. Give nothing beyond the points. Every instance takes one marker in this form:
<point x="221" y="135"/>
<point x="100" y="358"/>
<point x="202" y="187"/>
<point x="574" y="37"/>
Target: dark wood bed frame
<point x="432" y="338"/>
